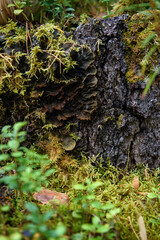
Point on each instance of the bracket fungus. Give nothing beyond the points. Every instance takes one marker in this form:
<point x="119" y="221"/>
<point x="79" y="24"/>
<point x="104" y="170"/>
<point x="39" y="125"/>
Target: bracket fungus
<point x="69" y="93"/>
<point x="58" y="74"/>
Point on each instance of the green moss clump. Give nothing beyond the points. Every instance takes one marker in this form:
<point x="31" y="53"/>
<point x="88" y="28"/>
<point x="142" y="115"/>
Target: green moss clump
<point x="13" y="34"/>
<point x="129" y="6"/>
<point x="49" y="50"/>
<point x="14" y="40"/>
<point x="143" y="52"/>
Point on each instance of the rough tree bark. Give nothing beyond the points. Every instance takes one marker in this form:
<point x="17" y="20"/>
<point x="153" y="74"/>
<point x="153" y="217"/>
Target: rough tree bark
<point x="125" y="128"/>
<point x="111" y="119"/>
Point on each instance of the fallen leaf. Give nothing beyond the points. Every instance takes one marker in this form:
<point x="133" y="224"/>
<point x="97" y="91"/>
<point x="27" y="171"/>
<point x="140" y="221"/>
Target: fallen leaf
<point x="142" y="228"/>
<point x="143" y="193"/>
<point x="146" y="173"/>
<point x="46" y="195"/>
<point x="136" y="183"/>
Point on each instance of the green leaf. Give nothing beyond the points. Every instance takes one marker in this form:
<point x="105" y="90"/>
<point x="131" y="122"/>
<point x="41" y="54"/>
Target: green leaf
<point x="2" y="171"/>
<point x="3" y="146"/>
<point x="18" y="11"/>
<point x="90" y="197"/>
<point x="114" y="211"/>
<point x="108" y="206"/>
<point x="103" y="229"/>
<point x="148" y="39"/>
<point x="13" y="144"/>
<point x="77" y="214"/>
<point x="77" y="236"/>
<point x="95" y="220"/>
<point x="34" y="218"/>
<point x="5" y="128"/>
<point x="43" y="228"/>
<point x="155" y="189"/>
<point x="70" y="9"/>
<point x="154" y="221"/>
<point x="96" y="238"/>
<point x="17" y="154"/>
<point x="88" y="227"/>
<point x="152" y="195"/>
<point x="31" y="207"/>
<point x="10" y="166"/>
<point x="21" y="134"/>
<point x="11" y="5"/>
<point x="49" y="172"/>
<point x="4" y="157"/>
<point x="60" y="230"/>
<point x="32" y="227"/>
<point x="11" y="181"/>
<point x="95" y="185"/>
<point x="5" y="208"/>
<point x="15" y="236"/>
<point x="48" y="215"/>
<point x="79" y="187"/>
<point x="19" y="125"/>
<point x="150" y="81"/>
<point x="96" y="204"/>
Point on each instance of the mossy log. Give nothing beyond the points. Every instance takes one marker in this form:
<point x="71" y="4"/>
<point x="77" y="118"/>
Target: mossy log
<point x="77" y="87"/>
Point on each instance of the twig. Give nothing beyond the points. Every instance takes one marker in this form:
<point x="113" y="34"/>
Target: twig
<point x="55" y="58"/>
<point x="46" y="69"/>
<point x="7" y="61"/>
<point x="133" y="228"/>
<point x="27" y="38"/>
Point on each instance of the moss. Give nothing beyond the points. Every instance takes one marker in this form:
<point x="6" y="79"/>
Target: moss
<point x="142" y="56"/>
<point x="119" y="121"/>
<point x="128" y="6"/>
<point x="109" y="118"/>
<point x="49" y="48"/>
<point x="13" y="34"/>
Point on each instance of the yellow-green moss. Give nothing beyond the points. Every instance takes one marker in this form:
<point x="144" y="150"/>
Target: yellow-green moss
<point x="13" y="33"/>
<point x="109" y="118"/>
<point x="141" y="58"/>
<point x="128" y="6"/>
<point x="119" y="121"/>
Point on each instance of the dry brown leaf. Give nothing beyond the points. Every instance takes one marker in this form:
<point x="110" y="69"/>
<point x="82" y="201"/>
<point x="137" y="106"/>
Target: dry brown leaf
<point x="143" y="193"/>
<point x="146" y="173"/>
<point x="46" y="195"/>
<point x="142" y="228"/>
<point x="136" y="183"/>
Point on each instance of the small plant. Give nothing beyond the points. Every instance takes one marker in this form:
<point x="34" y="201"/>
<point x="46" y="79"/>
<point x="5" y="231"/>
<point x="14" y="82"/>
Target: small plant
<point x="97" y="220"/>
<point x="22" y="168"/>
<point x="155" y="194"/>
<point x="38" y="224"/>
<point x="19" y="6"/>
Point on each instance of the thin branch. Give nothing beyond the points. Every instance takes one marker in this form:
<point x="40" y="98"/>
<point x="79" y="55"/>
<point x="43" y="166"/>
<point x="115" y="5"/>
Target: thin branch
<point x="133" y="228"/>
<point x="7" y="60"/>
